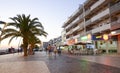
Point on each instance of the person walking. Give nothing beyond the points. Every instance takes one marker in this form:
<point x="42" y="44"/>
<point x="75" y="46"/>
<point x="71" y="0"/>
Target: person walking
<point x="59" y="50"/>
<point x="55" y="50"/>
<point x="49" y="50"/>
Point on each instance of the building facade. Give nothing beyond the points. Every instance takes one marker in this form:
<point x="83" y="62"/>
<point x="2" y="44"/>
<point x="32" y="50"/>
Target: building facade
<point x="96" y="22"/>
<point x="56" y="41"/>
<point x="63" y="37"/>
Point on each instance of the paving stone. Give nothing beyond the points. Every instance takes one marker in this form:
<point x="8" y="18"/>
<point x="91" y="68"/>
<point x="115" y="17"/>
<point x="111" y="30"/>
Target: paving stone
<point x="42" y="63"/>
<point x="24" y="67"/>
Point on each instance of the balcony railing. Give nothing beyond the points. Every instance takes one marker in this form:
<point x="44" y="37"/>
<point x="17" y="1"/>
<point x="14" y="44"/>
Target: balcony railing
<point x="69" y="32"/>
<point x="76" y="28"/>
<point x="81" y="16"/>
<point x="88" y="22"/>
<point x="81" y="25"/>
<point x="96" y="4"/>
<point x="100" y="15"/>
<point x="87" y="12"/>
<point x="72" y="23"/>
<point x="68" y="39"/>
<point x="115" y="8"/>
<point x="82" y="33"/>
<point x="89" y="32"/>
<point x="115" y="25"/>
<point x="76" y="36"/>
<point x="101" y="28"/>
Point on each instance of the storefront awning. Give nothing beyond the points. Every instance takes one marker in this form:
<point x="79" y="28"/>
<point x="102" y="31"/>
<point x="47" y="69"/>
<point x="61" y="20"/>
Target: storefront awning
<point x="80" y="43"/>
<point x="64" y="45"/>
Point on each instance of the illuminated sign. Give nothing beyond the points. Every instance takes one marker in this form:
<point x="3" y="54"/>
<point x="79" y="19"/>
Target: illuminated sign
<point x="89" y="36"/>
<point x="84" y="38"/>
<point x="105" y="37"/>
<point x="71" y="42"/>
<point x="98" y="37"/>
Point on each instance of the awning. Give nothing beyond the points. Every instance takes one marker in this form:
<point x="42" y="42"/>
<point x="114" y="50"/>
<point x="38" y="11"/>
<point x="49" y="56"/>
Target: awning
<point x="64" y="45"/>
<point x="80" y="43"/>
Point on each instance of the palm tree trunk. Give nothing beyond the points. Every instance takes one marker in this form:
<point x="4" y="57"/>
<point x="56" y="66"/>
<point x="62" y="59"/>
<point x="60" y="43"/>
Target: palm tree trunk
<point x="25" y="51"/>
<point x="25" y="45"/>
<point x="31" y="49"/>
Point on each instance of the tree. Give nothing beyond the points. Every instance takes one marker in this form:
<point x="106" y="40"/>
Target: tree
<point x="23" y="27"/>
<point x="33" y="41"/>
<point x="2" y="22"/>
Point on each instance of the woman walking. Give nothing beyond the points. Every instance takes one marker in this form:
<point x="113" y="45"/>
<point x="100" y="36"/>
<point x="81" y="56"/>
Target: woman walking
<point x="55" y="50"/>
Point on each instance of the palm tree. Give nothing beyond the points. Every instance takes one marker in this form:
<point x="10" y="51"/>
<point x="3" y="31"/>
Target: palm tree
<point x="2" y="22"/>
<point x="33" y="41"/>
<point x="24" y="27"/>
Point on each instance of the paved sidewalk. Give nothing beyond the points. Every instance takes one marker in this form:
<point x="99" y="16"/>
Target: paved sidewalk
<point x="42" y="63"/>
<point x="24" y="67"/>
<point x="14" y="63"/>
<point x="110" y="60"/>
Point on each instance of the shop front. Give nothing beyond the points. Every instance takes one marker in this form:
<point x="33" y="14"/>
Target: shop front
<point x="84" y="41"/>
<point x="116" y="37"/>
<point x="71" y="43"/>
<point x="105" y="43"/>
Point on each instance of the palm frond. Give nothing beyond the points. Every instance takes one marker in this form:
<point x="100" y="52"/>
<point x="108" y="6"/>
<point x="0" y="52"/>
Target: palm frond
<point x="13" y="38"/>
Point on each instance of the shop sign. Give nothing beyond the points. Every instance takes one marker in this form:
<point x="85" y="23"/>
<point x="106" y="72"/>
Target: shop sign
<point x="89" y="36"/>
<point x="105" y="37"/>
<point x="100" y="37"/>
<point x="84" y="38"/>
<point x="71" y="41"/>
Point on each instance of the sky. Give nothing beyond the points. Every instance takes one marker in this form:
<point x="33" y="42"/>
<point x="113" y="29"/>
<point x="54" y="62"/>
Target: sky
<point x="51" y="13"/>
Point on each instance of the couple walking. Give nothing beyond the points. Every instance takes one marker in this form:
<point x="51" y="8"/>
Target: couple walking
<point x="52" y="49"/>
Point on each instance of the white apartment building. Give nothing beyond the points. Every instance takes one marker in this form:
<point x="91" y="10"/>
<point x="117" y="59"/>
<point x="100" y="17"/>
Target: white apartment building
<point x="96" y="22"/>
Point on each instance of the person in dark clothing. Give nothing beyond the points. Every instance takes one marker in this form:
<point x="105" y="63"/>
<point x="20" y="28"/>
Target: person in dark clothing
<point x="49" y="48"/>
<point x="59" y="51"/>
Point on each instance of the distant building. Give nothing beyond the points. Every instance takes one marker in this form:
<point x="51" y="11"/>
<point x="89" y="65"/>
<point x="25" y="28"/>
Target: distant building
<point x="45" y="44"/>
<point x="56" y="41"/>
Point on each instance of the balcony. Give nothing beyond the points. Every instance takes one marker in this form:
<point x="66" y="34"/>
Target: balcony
<point x="69" y="32"/>
<point x="88" y="22"/>
<point x="115" y="25"/>
<point x="81" y="16"/>
<point x="100" y="15"/>
<point x="87" y="12"/>
<point x="82" y="33"/>
<point x="96" y="4"/>
<point x="76" y="36"/>
<point x="72" y="23"/>
<point x="76" y="28"/>
<point x="101" y="28"/>
<point x="81" y="25"/>
<point x="115" y="8"/>
<point x="68" y="39"/>
<point x="89" y="32"/>
<point x="69" y="25"/>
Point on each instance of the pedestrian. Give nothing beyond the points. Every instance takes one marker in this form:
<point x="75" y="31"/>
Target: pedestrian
<point x="59" y="50"/>
<point x="46" y="50"/>
<point x="49" y="48"/>
<point x="12" y="50"/>
<point x="21" y="49"/>
<point x="55" y="50"/>
<point x="18" y="50"/>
